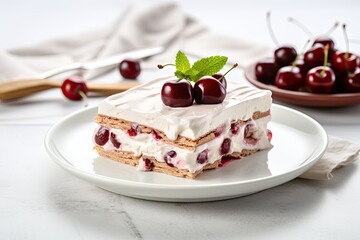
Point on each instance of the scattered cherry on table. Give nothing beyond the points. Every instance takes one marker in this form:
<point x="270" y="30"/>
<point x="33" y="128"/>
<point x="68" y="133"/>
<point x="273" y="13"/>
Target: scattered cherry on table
<point x="74" y="88"/>
<point x="130" y="68"/>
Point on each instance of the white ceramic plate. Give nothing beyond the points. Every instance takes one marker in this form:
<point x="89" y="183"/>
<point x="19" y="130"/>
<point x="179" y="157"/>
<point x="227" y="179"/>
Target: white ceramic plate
<point x="299" y="141"/>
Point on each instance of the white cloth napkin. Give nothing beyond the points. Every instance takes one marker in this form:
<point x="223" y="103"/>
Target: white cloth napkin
<point x="145" y="26"/>
<point x="139" y="26"/>
<point x="339" y="152"/>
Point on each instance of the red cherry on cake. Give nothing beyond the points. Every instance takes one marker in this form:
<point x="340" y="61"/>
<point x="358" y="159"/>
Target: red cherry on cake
<point x="169" y="156"/>
<point x="269" y="135"/>
<point x="102" y="136"/>
<point x="114" y="141"/>
<point x="202" y="157"/>
<point x="221" y="77"/>
<point x="149" y="165"/>
<point x="225" y="146"/>
<point x="320" y="79"/>
<point x="134" y="130"/>
<point x="265" y="70"/>
<point x="344" y="62"/>
<point x="179" y="93"/>
<point x="284" y="55"/>
<point x="155" y="135"/>
<point x="235" y="128"/>
<point x="352" y="82"/>
<point x="74" y="88"/>
<point x="314" y="56"/>
<point x="130" y="68"/>
<point x="209" y="90"/>
<point x="289" y="78"/>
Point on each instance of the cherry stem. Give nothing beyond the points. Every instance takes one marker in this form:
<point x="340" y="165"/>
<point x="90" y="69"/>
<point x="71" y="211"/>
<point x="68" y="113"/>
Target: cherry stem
<point x="346" y="42"/>
<point x="301" y="26"/>
<point x="84" y="97"/>
<point x="270" y="29"/>
<point x="301" y="53"/>
<point x="326" y="54"/>
<point x="234" y="66"/>
<point x="332" y="29"/>
<point x="165" y="65"/>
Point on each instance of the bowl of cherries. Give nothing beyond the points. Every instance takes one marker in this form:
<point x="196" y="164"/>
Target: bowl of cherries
<point x="322" y="76"/>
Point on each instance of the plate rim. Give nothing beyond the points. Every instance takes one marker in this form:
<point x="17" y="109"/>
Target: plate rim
<point x="61" y="161"/>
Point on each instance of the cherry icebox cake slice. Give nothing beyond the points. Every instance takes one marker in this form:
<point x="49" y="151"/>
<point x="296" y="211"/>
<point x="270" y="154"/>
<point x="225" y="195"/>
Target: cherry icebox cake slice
<point x="136" y="128"/>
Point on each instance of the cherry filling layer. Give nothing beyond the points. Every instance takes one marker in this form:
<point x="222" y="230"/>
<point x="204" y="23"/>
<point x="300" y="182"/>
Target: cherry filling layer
<point x="230" y="137"/>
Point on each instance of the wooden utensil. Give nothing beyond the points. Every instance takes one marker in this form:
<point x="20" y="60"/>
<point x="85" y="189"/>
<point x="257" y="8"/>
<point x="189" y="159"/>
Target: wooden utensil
<point x="22" y="88"/>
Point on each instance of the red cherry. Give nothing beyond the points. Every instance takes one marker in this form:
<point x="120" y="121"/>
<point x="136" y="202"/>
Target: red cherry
<point x="223" y="80"/>
<point x="225" y="146"/>
<point x="352" y="82"/>
<point x="220" y="130"/>
<point x="344" y="62"/>
<point x="269" y="135"/>
<point x="300" y="63"/>
<point x="169" y="156"/>
<point x="320" y="79"/>
<point x="102" y="136"/>
<point x="149" y="165"/>
<point x="114" y="141"/>
<point x="134" y="130"/>
<point x="235" y="128"/>
<point x="209" y="90"/>
<point x="202" y="157"/>
<point x="74" y="88"/>
<point x="289" y="78"/>
<point x="284" y="55"/>
<point x="155" y="135"/>
<point x="314" y="56"/>
<point x="130" y="68"/>
<point x="325" y="40"/>
<point x="179" y="93"/>
<point x="265" y="71"/>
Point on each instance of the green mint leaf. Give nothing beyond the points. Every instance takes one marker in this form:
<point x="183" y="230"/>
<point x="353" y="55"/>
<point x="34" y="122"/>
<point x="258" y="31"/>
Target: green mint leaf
<point x="182" y="62"/>
<point x="180" y="75"/>
<point x="210" y="65"/>
<point x="191" y="72"/>
<point x="196" y="77"/>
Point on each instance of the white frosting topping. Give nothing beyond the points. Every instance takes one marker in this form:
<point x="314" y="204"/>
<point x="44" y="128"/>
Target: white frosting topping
<point x="142" y="104"/>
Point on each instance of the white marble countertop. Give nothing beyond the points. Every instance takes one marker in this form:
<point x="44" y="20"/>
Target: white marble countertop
<point x="39" y="200"/>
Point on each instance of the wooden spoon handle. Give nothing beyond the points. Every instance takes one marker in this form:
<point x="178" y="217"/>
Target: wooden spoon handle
<point x="21" y="88"/>
<point x="111" y="88"/>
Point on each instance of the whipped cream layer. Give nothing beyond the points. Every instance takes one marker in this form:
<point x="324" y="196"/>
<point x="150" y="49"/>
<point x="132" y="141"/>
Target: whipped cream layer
<point x="145" y="144"/>
<point x="143" y="105"/>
